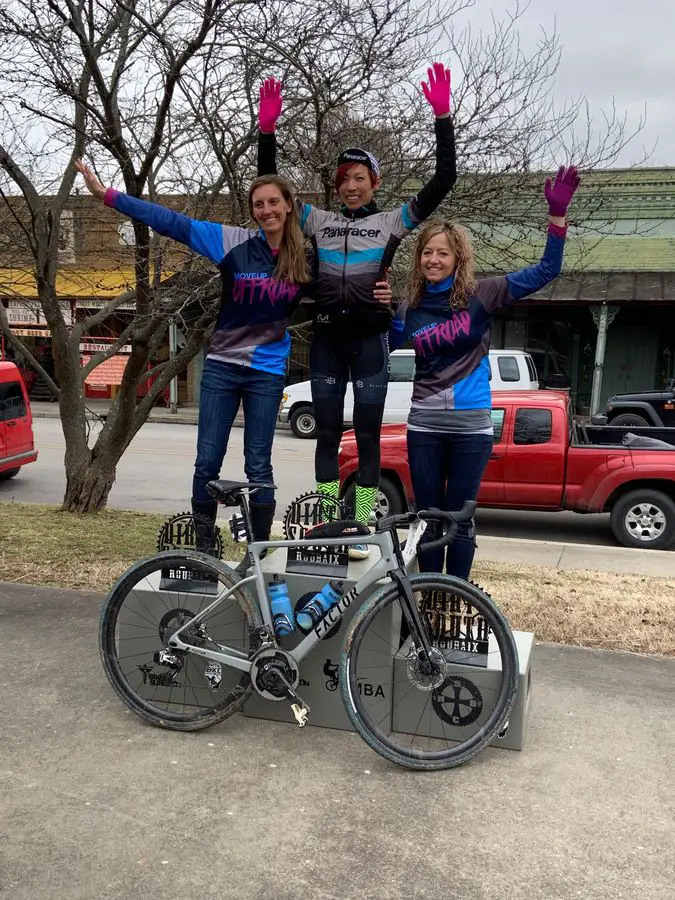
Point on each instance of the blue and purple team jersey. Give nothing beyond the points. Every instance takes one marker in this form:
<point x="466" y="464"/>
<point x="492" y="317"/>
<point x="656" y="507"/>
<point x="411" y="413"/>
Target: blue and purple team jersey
<point x="452" y="368"/>
<point x="256" y="307"/>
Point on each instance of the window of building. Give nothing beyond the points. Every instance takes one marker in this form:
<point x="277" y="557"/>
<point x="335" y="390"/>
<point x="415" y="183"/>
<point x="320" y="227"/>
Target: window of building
<point x="67" y="237"/>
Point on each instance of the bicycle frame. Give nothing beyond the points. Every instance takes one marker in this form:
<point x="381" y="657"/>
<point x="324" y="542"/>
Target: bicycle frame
<point x="391" y="564"/>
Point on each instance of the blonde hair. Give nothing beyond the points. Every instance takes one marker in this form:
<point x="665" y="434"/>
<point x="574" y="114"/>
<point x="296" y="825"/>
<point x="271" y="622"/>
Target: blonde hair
<point x="292" y="259"/>
<point x="460" y="244"/>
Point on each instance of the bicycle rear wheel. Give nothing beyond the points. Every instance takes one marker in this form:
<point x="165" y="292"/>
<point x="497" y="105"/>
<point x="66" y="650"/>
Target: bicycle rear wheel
<point x="422" y="717"/>
<point x="177" y="690"/>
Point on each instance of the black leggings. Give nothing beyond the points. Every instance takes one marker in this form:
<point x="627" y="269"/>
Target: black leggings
<point x="333" y="362"/>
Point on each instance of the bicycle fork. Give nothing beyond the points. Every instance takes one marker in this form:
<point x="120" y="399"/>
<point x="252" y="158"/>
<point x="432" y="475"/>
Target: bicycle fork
<point x="413" y="617"/>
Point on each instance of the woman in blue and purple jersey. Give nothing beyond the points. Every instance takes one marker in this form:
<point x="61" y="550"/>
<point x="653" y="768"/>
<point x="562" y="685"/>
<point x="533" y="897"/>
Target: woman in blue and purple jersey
<point x="448" y="317"/>
<point x="264" y="273"/>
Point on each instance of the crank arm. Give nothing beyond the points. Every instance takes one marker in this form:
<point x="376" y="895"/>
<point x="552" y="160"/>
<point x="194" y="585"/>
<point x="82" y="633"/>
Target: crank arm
<point x="298" y="705"/>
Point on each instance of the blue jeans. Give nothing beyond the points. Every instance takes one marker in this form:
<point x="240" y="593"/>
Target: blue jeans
<point x="223" y="388"/>
<point x="446" y="470"/>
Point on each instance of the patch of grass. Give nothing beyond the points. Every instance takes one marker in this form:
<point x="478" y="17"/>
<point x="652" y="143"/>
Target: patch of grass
<point x="590" y="609"/>
<point x="42" y="545"/>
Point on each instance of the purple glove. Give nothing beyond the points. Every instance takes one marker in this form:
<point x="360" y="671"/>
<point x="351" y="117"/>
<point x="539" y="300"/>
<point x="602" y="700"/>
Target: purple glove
<point x="437" y="91"/>
<point x="559" y="193"/>
<point x="270" y="105"/>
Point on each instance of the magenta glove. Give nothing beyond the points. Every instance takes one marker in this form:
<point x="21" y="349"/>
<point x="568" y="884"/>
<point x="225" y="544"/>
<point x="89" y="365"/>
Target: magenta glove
<point x="270" y="105"/>
<point x="437" y="91"/>
<point x="559" y="193"/>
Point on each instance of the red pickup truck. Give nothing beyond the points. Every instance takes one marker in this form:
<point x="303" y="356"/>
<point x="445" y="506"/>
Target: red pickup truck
<point x="543" y="460"/>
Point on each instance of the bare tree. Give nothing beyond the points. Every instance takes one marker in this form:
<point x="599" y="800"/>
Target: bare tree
<point x="161" y="97"/>
<point x="105" y="75"/>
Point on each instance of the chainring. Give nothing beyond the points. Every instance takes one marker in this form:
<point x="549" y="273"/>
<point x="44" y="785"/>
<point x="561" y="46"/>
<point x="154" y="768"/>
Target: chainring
<point x="264" y="667"/>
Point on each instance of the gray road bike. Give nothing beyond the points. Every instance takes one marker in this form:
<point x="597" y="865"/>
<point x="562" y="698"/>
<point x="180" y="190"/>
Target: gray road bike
<point x="184" y="642"/>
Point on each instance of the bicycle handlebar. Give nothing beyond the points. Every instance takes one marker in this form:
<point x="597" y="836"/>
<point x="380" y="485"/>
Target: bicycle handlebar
<point x="451" y="519"/>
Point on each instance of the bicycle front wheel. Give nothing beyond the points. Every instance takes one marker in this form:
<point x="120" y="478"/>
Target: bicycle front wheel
<point x="429" y="715"/>
<point x="170" y="688"/>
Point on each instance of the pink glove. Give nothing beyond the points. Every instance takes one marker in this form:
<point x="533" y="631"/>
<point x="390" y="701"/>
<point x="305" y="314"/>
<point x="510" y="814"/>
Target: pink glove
<point x="437" y="91"/>
<point x="270" y="105"/>
<point x="559" y="193"/>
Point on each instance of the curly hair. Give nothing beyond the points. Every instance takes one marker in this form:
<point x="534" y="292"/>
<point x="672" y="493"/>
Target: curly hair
<point x="460" y="244"/>
<point x="292" y="260"/>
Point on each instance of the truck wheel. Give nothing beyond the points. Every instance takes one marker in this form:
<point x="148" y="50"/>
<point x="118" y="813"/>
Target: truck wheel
<point x="388" y="500"/>
<point x="629" y="419"/>
<point x="644" y="518"/>
<point x="303" y="423"/>
<point x="9" y="473"/>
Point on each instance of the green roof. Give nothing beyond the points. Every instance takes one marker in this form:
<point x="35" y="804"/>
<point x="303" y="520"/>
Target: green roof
<point x="593" y="254"/>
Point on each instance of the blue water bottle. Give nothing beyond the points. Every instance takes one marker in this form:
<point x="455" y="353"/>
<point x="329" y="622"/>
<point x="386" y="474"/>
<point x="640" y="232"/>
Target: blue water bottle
<point x="282" y="610"/>
<point x="318" y="605"/>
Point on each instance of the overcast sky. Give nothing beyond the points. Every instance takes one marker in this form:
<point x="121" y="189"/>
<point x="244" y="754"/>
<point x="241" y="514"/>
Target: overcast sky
<point x="611" y="49"/>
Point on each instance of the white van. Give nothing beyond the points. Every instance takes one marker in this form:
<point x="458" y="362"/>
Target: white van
<point x="510" y="370"/>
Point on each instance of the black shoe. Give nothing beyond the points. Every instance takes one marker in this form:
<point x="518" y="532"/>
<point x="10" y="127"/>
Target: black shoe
<point x="262" y="516"/>
<point x="205" y="512"/>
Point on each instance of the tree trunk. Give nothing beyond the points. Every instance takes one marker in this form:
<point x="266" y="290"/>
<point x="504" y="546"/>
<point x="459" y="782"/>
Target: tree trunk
<point x="87" y="487"/>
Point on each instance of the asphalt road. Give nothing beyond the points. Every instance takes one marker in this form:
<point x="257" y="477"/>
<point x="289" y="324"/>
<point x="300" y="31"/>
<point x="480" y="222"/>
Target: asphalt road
<point x="156" y="471"/>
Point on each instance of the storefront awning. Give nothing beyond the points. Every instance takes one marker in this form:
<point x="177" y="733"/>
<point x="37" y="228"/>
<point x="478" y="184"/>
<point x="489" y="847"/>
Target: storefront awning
<point x="70" y="282"/>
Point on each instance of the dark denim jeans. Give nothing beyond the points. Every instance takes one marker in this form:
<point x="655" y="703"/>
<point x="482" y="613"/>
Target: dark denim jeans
<point x="223" y="387"/>
<point x="446" y="470"/>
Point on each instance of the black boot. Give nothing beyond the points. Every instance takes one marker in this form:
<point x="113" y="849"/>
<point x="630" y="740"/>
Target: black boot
<point x="262" y="516"/>
<point x="205" y="533"/>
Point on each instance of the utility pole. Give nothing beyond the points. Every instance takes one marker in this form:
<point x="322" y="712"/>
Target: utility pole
<point x="173" y="386"/>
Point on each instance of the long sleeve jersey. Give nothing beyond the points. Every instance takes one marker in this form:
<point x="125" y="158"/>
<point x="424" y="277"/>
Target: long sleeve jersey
<point x="256" y="307"/>
<point x="451" y="391"/>
<point x="354" y="249"/>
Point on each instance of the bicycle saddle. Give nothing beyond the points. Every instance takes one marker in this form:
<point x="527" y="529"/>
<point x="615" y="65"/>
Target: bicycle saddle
<point x="228" y="492"/>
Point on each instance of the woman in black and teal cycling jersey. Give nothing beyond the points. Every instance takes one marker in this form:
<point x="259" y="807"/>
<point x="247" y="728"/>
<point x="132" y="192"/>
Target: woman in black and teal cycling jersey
<point x="354" y="249"/>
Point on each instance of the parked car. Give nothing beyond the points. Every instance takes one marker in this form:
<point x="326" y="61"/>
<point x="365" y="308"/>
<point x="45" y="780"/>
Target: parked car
<point x="643" y="408"/>
<point x="543" y="460"/>
<point x="509" y="370"/>
<point x="17" y="445"/>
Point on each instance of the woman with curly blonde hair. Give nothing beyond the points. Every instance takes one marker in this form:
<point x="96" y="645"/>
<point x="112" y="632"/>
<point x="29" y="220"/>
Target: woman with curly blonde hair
<point x="448" y="316"/>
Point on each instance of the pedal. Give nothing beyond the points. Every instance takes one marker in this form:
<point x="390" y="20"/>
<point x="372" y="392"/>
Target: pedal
<point x="299" y="707"/>
<point x="300" y="713"/>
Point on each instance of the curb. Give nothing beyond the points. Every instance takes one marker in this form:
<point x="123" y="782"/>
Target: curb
<point x="562" y="556"/>
<point x="162" y="418"/>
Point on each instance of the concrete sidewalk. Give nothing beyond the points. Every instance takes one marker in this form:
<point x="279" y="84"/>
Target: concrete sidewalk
<point x="97" y="804"/>
<point x="624" y="560"/>
<point x="185" y="415"/>
<point x="520" y="551"/>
